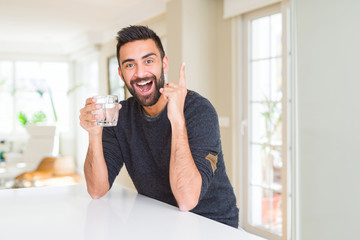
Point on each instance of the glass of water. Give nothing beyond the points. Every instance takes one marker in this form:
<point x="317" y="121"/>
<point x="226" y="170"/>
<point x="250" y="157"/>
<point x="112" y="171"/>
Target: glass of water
<point x="109" y="111"/>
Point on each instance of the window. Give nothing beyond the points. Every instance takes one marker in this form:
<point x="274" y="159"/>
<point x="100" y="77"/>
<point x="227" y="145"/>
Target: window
<point x="265" y="110"/>
<point x="116" y="85"/>
<point x="37" y="90"/>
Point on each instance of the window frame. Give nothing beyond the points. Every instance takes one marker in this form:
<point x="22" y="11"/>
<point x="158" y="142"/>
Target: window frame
<point x="241" y="58"/>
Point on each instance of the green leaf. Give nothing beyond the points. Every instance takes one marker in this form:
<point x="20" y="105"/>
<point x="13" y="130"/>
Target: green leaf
<point x="22" y="119"/>
<point x="38" y="117"/>
<point x="76" y="86"/>
<point x="41" y="93"/>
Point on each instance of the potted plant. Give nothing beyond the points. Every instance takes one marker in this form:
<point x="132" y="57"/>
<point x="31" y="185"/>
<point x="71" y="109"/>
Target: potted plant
<point x="43" y="132"/>
<point x="39" y="118"/>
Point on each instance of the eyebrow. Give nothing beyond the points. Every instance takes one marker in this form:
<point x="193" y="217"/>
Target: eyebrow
<point x="143" y="57"/>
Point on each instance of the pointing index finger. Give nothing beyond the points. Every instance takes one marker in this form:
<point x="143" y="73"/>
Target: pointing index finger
<point x="182" y="80"/>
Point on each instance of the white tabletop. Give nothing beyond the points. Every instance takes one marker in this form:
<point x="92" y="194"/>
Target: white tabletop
<point x="68" y="212"/>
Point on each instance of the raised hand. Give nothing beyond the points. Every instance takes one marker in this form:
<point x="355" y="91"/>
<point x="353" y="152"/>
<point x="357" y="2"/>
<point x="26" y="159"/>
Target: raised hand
<point x="175" y="96"/>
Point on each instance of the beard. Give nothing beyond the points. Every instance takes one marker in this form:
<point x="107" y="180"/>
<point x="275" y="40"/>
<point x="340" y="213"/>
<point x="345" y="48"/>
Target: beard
<point x="153" y="97"/>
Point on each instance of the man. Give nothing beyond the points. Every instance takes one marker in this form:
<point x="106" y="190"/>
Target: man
<point x="167" y="137"/>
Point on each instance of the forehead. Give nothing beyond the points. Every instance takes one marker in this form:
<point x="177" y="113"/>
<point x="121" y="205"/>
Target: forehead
<point x="138" y="49"/>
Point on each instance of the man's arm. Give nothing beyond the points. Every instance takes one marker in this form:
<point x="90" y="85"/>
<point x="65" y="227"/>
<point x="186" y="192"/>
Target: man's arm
<point x="95" y="169"/>
<point x="185" y="178"/>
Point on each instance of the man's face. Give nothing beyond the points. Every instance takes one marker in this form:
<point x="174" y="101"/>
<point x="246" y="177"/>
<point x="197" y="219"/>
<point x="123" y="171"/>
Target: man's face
<point x="142" y="70"/>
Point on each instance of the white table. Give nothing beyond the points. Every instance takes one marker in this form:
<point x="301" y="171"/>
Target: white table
<point x="68" y="212"/>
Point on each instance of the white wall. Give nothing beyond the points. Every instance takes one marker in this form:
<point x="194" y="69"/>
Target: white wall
<point x="191" y="38"/>
<point x="328" y="51"/>
<point x="87" y="72"/>
<point x="198" y="34"/>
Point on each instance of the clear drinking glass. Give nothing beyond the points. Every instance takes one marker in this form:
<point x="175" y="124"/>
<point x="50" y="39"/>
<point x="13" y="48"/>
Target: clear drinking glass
<point x="109" y="111"/>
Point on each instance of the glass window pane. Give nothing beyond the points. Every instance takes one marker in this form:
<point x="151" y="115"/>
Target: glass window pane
<point x="266" y="209"/>
<point x="255" y="205"/>
<point x="260" y="38"/>
<point x="270" y="122"/>
<point x="276" y="31"/>
<point x="27" y="73"/>
<point x="276" y="79"/>
<point x="115" y="82"/>
<point x="256" y="165"/>
<point x="276" y="159"/>
<point x="271" y="211"/>
<point x="276" y="213"/>
<point x="29" y="89"/>
<point x="260" y="80"/>
<point x="56" y="75"/>
<point x="265" y="166"/>
<point x="274" y="124"/>
<point x="258" y="123"/>
<point x="39" y="87"/>
<point x="26" y="99"/>
<point x="6" y="100"/>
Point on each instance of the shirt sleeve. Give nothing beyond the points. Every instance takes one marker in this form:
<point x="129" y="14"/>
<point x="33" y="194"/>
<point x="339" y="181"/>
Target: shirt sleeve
<point x="204" y="139"/>
<point x="112" y="154"/>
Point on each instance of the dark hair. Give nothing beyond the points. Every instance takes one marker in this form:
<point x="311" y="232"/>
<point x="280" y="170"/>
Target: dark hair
<point x="137" y="32"/>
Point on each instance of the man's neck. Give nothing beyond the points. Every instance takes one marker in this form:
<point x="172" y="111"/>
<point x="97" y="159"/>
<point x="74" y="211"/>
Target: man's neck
<point x="156" y="108"/>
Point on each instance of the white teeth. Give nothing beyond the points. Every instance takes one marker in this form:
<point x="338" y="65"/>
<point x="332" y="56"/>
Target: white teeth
<point x="144" y="83"/>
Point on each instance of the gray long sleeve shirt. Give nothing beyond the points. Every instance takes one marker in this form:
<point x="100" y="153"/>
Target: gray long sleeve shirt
<point x="143" y="144"/>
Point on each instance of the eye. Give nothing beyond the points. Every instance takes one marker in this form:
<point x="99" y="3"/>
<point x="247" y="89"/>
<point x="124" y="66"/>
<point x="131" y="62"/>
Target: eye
<point x="148" y="61"/>
<point x="129" y="65"/>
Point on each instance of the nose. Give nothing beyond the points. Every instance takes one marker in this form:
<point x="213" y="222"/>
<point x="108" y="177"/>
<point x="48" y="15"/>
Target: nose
<point x="140" y="71"/>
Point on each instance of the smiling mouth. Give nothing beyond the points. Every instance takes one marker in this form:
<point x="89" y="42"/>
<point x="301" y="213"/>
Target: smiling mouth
<point x="144" y="86"/>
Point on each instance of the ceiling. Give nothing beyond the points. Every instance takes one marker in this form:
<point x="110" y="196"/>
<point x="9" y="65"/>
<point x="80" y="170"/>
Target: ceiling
<point x="65" y="26"/>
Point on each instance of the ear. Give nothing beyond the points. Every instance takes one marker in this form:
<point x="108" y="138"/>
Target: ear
<point x="120" y="74"/>
<point x="165" y="64"/>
